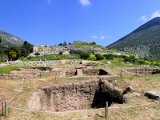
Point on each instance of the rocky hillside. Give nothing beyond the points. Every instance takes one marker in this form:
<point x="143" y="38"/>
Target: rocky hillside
<point x="144" y="41"/>
<point x="9" y="39"/>
<point x="89" y="47"/>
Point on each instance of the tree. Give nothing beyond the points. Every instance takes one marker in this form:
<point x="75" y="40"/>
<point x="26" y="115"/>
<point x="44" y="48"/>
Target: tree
<point x="1" y="48"/>
<point x="93" y="43"/>
<point x="28" y="47"/>
<point x="65" y="43"/>
<point x="1" y="38"/>
<point x="24" y="52"/>
<point x="84" y="55"/>
<point x="12" y="55"/>
<point x="60" y="44"/>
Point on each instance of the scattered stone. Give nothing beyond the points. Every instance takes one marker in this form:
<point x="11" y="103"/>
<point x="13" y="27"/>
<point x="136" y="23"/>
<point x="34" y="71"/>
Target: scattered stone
<point x="108" y="62"/>
<point x="136" y="94"/>
<point x="152" y="95"/>
<point x="3" y="64"/>
<point x="128" y="89"/>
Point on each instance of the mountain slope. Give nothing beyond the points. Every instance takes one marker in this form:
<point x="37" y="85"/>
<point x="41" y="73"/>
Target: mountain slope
<point x="12" y="47"/>
<point x="144" y="41"/>
<point x="9" y="39"/>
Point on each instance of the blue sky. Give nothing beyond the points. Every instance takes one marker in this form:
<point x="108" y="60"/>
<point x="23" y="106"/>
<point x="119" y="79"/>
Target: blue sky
<point x="53" y="21"/>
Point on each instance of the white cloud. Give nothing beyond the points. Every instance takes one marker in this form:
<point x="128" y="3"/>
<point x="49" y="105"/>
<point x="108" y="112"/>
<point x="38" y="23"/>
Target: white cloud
<point x="153" y="15"/>
<point x="98" y="37"/>
<point x="85" y="2"/>
<point x="143" y="18"/>
<point x="102" y="37"/>
<point x="94" y="36"/>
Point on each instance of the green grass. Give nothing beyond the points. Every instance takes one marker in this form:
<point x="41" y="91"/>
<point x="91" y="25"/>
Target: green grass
<point x="8" y="69"/>
<point x="54" y="57"/>
<point x="26" y="89"/>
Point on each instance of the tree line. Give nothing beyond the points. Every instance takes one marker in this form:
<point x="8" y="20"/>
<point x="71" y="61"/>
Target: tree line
<point x="14" y="52"/>
<point x="121" y="58"/>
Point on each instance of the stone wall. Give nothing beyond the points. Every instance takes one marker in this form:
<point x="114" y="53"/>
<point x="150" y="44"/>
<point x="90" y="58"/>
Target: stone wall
<point x="21" y="74"/>
<point x="85" y="72"/>
<point x="143" y="71"/>
<point x="45" y="50"/>
<point x="76" y="96"/>
<point x="36" y="63"/>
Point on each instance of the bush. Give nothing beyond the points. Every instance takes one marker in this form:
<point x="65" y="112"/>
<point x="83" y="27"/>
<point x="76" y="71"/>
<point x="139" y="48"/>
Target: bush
<point x="23" y="58"/>
<point x="109" y="56"/>
<point x="99" y="57"/>
<point x="84" y="55"/>
<point x="92" y="57"/>
<point x="140" y="61"/>
<point x="130" y="59"/>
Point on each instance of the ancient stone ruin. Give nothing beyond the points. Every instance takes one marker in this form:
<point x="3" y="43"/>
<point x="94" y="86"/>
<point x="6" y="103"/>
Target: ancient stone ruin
<point x="36" y="63"/>
<point x="92" y="72"/>
<point x="76" y="96"/>
<point x="21" y="74"/>
<point x="144" y="71"/>
<point x="86" y="72"/>
<point x="46" y="50"/>
<point x="34" y="72"/>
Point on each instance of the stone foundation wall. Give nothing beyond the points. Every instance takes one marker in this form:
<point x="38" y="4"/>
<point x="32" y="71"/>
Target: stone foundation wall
<point x="144" y="71"/>
<point x="36" y="63"/>
<point x="76" y="96"/>
<point x="45" y="50"/>
<point x="21" y="74"/>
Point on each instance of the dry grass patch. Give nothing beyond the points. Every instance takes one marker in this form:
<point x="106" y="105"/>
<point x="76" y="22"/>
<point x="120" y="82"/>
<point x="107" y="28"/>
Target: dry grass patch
<point x="137" y="108"/>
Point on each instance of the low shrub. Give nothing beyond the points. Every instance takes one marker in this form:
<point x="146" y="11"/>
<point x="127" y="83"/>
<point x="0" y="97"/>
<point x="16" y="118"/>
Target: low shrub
<point x="99" y="57"/>
<point x="92" y="57"/>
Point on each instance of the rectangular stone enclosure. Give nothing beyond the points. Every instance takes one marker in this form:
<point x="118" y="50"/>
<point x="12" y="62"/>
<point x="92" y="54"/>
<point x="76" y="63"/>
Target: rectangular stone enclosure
<point x="76" y="96"/>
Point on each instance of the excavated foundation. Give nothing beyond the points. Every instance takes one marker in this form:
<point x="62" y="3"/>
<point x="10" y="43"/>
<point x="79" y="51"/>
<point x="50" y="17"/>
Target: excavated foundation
<point x="86" y="72"/>
<point x="76" y="96"/>
<point x="93" y="72"/>
<point x="144" y="71"/>
<point x="43" y="68"/>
